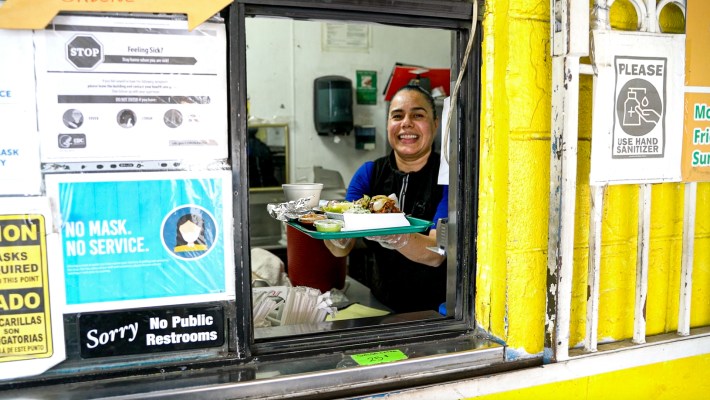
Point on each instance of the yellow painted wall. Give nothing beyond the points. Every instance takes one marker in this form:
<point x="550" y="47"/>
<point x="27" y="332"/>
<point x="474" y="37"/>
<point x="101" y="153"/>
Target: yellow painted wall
<point x="661" y="381"/>
<point x="514" y="195"/>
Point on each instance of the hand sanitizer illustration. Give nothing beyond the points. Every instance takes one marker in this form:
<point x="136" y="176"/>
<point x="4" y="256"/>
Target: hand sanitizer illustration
<point x="631" y="105"/>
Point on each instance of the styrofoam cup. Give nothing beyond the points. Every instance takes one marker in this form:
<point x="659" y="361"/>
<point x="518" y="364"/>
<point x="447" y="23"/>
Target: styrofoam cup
<point x="295" y="191"/>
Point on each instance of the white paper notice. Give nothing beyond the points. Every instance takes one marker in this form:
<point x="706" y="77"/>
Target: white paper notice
<point x="444" y="165"/>
<point x="131" y="89"/>
<point x="19" y="151"/>
<point x="359" y="222"/>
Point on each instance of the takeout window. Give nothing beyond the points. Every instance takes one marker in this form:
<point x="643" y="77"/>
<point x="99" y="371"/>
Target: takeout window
<point x="280" y="80"/>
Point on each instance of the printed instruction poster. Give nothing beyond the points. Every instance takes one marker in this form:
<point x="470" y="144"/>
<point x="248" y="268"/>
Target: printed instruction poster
<point x="639" y="127"/>
<point x="444" y="152"/>
<point x="19" y="148"/>
<point x="345" y="37"/>
<point x="31" y="290"/>
<point x="136" y="89"/>
<point x="143" y="239"/>
<point x="638" y="108"/>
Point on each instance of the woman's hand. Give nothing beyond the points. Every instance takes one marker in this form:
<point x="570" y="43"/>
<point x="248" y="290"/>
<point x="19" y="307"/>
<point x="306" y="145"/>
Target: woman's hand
<point x="340" y="243"/>
<point x="413" y="246"/>
<point x="392" y="242"/>
<point x="339" y="247"/>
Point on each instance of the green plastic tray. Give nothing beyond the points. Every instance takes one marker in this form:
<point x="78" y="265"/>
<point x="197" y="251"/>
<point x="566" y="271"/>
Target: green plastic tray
<point x="417" y="225"/>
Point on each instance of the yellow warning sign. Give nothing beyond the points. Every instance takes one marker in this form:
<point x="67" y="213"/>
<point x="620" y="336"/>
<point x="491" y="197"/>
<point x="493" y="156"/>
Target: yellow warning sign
<point x="37" y="14"/>
<point x="25" y="322"/>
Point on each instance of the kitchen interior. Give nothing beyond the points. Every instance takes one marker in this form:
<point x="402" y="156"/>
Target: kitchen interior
<point x="284" y="59"/>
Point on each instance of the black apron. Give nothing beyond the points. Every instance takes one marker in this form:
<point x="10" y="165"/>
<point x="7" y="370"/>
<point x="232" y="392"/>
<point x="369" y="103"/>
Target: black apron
<point x="399" y="283"/>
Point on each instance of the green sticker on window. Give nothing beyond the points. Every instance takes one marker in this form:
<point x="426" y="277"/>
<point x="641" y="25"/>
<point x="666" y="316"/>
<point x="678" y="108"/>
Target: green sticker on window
<point x="379" y="357"/>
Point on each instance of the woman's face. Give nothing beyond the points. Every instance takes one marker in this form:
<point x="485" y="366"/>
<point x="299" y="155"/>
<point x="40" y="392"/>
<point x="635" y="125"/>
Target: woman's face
<point x="411" y="125"/>
<point x="190" y="232"/>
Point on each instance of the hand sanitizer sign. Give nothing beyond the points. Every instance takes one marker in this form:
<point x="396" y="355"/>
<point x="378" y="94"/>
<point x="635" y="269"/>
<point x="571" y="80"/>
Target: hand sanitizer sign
<point x="637" y="117"/>
<point x="639" y="123"/>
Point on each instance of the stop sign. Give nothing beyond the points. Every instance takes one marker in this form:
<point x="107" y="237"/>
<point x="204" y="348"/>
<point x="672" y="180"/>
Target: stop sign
<point x="84" y="52"/>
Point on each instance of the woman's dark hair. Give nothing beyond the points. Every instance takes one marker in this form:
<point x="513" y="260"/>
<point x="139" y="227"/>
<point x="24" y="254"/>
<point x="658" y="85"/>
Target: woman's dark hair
<point x="421" y="90"/>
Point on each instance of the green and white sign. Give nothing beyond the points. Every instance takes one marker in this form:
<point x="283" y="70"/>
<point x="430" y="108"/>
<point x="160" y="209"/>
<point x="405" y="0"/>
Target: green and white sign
<point x="366" y="90"/>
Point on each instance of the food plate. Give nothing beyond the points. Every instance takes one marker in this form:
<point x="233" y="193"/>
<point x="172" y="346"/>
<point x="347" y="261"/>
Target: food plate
<point x="310" y="218"/>
<point x="417" y="225"/>
<point x="334" y="215"/>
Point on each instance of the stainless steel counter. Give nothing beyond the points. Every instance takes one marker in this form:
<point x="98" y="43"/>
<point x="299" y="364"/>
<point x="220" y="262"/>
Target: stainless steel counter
<point x="331" y="375"/>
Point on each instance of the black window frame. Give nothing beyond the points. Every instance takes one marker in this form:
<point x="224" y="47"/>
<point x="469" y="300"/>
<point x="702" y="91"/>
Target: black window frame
<point x="463" y="205"/>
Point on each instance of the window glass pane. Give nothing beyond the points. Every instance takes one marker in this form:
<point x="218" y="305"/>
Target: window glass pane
<point x="284" y="59"/>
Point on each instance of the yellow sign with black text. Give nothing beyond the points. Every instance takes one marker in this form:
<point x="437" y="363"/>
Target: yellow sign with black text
<point x="25" y="318"/>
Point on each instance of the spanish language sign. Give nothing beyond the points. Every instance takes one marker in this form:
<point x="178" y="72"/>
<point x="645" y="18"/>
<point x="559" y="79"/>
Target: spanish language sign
<point x="108" y="92"/>
<point x="24" y="297"/>
<point x="31" y="326"/>
<point x="19" y="139"/>
<point x="638" y="109"/>
<point x="145" y="239"/>
<point x="150" y="331"/>
<point x="696" y="133"/>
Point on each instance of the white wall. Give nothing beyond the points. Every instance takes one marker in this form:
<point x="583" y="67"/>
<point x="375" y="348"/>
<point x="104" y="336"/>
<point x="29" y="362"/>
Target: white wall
<point x="283" y="59"/>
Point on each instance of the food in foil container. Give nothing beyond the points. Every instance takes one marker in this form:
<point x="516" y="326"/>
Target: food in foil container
<point x="289" y="210"/>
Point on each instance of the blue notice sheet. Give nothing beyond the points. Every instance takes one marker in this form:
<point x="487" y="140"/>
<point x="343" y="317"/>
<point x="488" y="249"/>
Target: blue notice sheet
<point x="141" y="236"/>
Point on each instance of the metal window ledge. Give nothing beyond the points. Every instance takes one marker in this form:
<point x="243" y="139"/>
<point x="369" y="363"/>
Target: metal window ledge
<point x="322" y="376"/>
